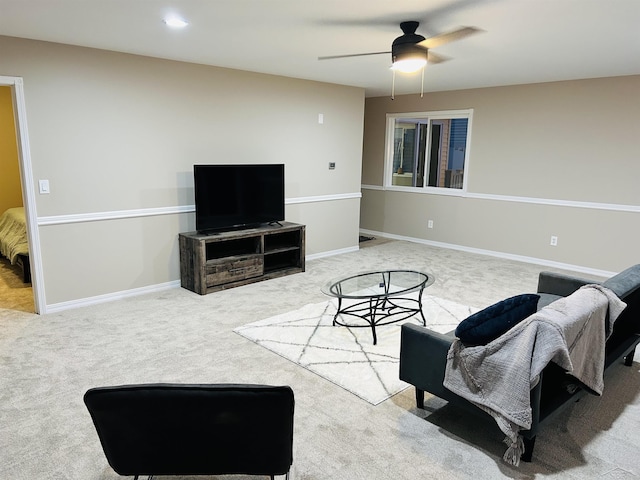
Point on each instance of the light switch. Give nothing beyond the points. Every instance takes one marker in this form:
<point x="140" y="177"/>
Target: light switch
<point x="44" y="186"/>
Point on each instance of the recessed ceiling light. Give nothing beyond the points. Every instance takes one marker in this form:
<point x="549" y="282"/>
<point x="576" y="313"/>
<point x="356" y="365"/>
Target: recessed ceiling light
<point x="175" y="22"/>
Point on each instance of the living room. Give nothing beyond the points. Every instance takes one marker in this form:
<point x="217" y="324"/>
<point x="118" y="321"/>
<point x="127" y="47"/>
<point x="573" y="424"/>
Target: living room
<point x="83" y="144"/>
<point x="117" y="134"/>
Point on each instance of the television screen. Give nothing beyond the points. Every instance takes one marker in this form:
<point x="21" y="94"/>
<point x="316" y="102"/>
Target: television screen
<point x="238" y="196"/>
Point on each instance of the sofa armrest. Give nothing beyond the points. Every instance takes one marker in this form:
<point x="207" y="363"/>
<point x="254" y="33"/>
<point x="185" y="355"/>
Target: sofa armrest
<point x="625" y="283"/>
<point x="423" y="358"/>
<point x="559" y="284"/>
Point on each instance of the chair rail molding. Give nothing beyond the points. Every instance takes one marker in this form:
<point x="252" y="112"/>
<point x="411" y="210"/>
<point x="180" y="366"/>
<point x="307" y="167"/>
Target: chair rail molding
<point x="617" y="207"/>
<point x="173" y="210"/>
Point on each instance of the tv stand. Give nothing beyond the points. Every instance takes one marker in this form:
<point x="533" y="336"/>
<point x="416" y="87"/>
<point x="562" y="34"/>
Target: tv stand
<point x="209" y="263"/>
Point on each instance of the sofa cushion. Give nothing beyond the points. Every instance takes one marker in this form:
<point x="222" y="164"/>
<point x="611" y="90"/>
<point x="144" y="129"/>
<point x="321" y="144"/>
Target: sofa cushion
<point x="486" y="325"/>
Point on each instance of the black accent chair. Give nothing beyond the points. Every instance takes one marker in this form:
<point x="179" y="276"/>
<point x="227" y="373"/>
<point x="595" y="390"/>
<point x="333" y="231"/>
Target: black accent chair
<point x="182" y="429"/>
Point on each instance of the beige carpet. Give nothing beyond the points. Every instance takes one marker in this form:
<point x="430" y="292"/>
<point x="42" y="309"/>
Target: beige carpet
<point x="14" y="293"/>
<point x="48" y="362"/>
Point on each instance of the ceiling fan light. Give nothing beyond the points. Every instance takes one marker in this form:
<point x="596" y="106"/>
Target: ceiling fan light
<point x="175" y="22"/>
<point x="409" y="65"/>
<point x="407" y="57"/>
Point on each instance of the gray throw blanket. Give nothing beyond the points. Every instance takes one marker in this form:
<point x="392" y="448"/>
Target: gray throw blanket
<point x="498" y="377"/>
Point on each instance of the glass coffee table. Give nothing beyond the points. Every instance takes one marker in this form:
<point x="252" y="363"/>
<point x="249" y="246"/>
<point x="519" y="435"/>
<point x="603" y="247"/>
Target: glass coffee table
<point x="380" y="297"/>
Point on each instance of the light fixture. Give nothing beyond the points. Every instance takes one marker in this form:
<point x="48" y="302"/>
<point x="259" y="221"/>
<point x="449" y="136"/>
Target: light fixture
<point x="408" y="58"/>
<point x="175" y="22"/>
<point x="411" y="65"/>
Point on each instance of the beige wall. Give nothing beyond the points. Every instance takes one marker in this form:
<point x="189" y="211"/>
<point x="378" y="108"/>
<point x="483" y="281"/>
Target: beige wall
<point x="555" y="144"/>
<point x="119" y="133"/>
<point x="10" y="189"/>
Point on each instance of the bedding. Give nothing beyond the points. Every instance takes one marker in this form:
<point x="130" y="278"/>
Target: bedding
<point x="13" y="234"/>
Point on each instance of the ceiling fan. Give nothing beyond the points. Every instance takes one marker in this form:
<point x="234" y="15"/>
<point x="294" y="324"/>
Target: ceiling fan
<point x="411" y="51"/>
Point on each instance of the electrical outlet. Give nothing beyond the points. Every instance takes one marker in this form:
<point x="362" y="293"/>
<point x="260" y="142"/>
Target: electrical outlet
<point x="554" y="241"/>
<point x="430" y="224"/>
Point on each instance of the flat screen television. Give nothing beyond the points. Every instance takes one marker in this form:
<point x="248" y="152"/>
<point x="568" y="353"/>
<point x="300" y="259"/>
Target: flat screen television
<point x="238" y="196"/>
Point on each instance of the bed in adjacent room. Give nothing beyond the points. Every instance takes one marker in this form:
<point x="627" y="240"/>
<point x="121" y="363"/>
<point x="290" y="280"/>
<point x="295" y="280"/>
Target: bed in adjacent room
<point x="13" y="239"/>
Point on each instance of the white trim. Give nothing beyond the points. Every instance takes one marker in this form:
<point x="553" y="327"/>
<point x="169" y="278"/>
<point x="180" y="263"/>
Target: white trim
<point x="452" y="192"/>
<point x="509" y="198"/>
<point x="332" y="253"/>
<point x="323" y="198"/>
<point x="436" y="114"/>
<point x="372" y="187"/>
<point x="557" y="203"/>
<point x="389" y="138"/>
<point x="507" y="256"/>
<point x="28" y="191"/>
<point x="150" y="212"/>
<point x="115" y="215"/>
<point x="109" y="297"/>
<point x="8" y="81"/>
<point x="467" y="153"/>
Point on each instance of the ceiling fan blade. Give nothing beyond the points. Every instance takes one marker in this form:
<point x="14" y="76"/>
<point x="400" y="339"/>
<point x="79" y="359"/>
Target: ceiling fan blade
<point x="443" y="38"/>
<point x="433" y="58"/>
<point x="331" y="57"/>
<point x="393" y="20"/>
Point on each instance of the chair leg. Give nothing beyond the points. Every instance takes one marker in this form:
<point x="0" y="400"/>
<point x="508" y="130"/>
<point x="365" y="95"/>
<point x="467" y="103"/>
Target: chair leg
<point x="628" y="360"/>
<point x="286" y="476"/>
<point x="420" y="398"/>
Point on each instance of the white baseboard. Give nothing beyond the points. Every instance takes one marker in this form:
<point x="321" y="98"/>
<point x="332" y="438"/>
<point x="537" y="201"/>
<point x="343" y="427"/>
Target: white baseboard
<point x="508" y="256"/>
<point x="83" y="302"/>
<point x="109" y="297"/>
<point x="331" y="253"/>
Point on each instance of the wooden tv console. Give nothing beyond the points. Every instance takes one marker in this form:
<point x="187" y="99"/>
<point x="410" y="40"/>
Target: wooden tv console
<point x="213" y="262"/>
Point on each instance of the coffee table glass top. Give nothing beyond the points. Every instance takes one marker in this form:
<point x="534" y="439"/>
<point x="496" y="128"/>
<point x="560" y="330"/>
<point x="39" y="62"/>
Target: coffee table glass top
<point x="388" y="283"/>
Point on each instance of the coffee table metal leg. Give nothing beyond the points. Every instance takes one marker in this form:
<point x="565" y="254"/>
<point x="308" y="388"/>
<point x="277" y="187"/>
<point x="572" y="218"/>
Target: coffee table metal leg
<point x="424" y="320"/>
<point x="373" y="307"/>
<point x="337" y="311"/>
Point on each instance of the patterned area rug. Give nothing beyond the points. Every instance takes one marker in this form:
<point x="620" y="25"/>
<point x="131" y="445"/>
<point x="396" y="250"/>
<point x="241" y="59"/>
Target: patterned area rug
<point x="346" y="356"/>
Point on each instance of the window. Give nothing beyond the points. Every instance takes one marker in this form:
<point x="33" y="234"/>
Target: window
<point x="427" y="150"/>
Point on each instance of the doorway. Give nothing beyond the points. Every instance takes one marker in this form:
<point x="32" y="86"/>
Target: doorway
<point x="15" y="85"/>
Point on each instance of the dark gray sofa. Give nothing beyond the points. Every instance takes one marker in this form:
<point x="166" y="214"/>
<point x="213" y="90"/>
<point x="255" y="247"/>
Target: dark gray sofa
<point x="423" y="352"/>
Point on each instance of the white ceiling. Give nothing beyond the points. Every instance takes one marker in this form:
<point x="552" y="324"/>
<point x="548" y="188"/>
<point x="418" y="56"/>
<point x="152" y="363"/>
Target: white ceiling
<point x="523" y="41"/>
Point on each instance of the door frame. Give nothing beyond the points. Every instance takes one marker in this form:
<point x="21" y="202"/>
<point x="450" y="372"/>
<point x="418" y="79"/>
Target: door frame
<point x="28" y="189"/>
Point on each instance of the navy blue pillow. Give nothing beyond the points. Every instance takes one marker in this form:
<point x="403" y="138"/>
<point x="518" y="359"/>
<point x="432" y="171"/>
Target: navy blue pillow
<point x="488" y="324"/>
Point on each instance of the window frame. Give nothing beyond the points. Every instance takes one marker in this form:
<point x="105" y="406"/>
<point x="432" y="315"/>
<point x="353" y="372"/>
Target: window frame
<point x="429" y="116"/>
